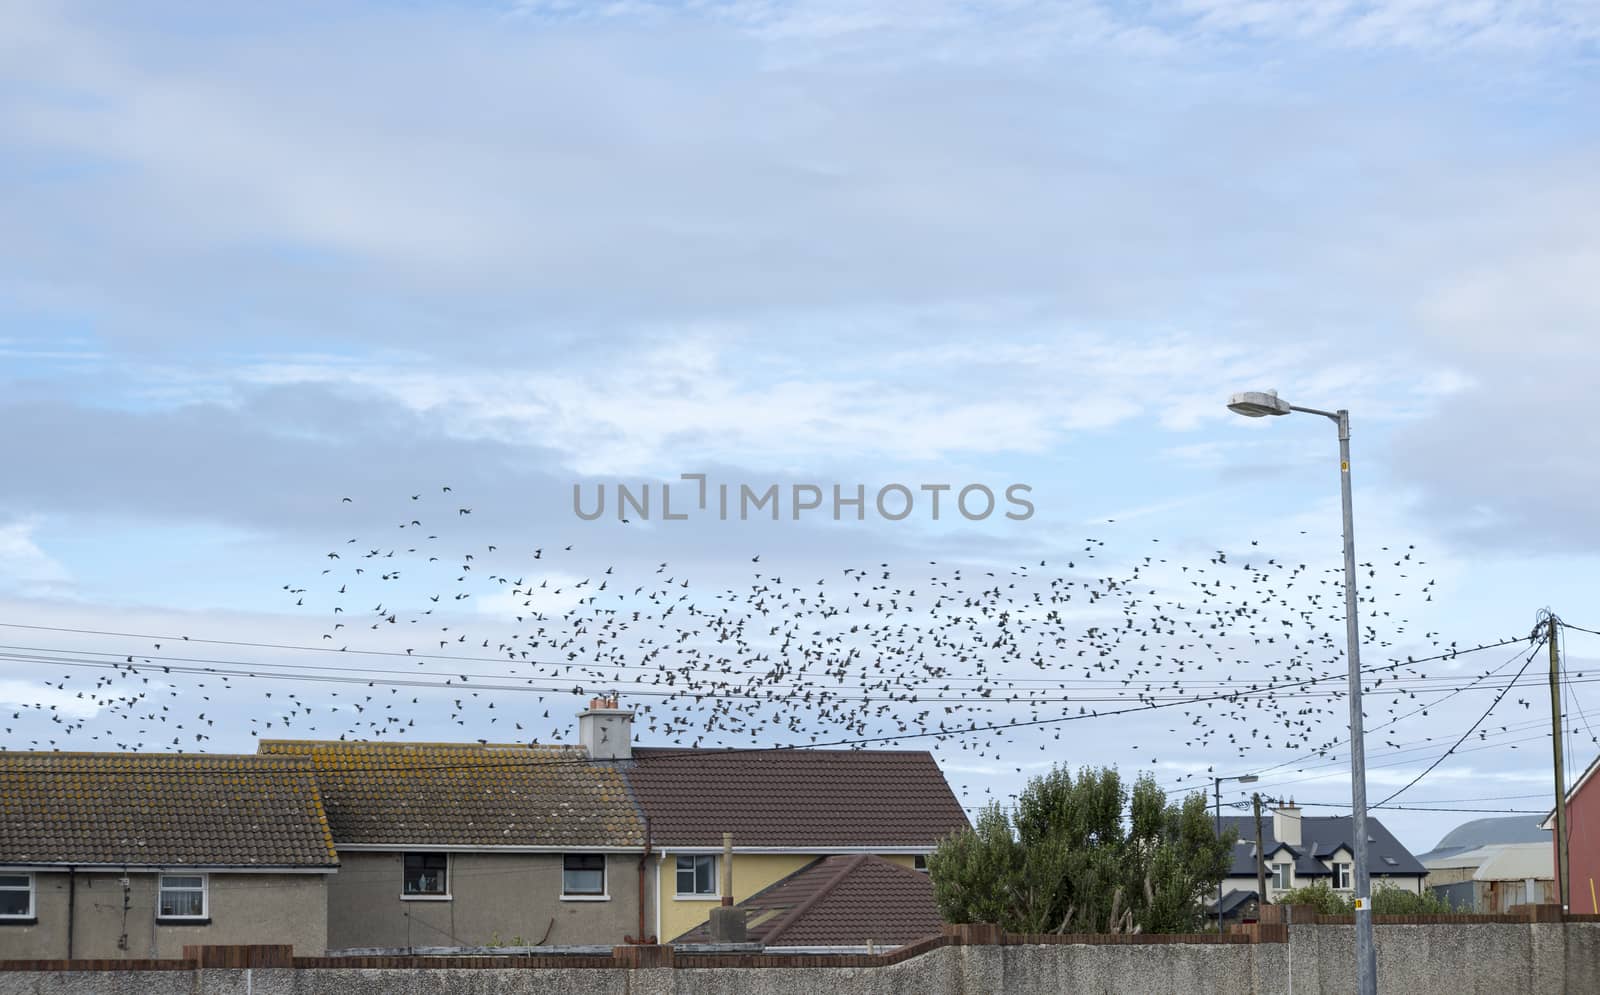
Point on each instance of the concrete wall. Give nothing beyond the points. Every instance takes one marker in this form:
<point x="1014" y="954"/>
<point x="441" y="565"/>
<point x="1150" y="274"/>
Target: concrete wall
<point x="245" y="908"/>
<point x="1436" y="959"/>
<point x="496" y="899"/>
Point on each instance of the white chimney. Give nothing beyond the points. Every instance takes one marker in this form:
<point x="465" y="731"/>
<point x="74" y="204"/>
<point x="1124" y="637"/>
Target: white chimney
<point x="606" y="730"/>
<point x="1286" y="824"/>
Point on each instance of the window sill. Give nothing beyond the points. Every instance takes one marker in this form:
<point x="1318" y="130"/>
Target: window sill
<point x="19" y="920"/>
<point x="183" y="920"/>
<point x="697" y="898"/>
<point x="427" y="898"/>
<point x="586" y="898"/>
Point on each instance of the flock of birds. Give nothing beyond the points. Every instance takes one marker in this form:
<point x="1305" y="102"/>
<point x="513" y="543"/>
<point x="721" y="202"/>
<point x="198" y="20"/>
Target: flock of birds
<point x="1235" y="655"/>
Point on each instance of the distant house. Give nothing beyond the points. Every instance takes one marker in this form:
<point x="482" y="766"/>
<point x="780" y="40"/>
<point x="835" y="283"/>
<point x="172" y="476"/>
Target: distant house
<point x="125" y="855"/>
<point x="1583" y="840"/>
<point x="1488" y="865"/>
<point x="1305" y="850"/>
<point x="859" y="901"/>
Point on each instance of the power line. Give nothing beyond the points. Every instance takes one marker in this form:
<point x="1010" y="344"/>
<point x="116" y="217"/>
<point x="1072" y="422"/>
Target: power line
<point x="1497" y="698"/>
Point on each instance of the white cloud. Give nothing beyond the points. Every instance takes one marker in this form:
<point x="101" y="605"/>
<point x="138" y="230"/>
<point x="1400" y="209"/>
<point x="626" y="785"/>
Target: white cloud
<point x="24" y="566"/>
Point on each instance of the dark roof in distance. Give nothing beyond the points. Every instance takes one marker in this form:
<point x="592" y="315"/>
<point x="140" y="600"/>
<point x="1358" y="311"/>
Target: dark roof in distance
<point x="1320" y="837"/>
<point x="168" y="809"/>
<point x="840" y="901"/>
<point x="468" y="794"/>
<point x="794" y="798"/>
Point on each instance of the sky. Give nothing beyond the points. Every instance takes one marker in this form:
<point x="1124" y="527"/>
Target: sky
<point x="261" y="259"/>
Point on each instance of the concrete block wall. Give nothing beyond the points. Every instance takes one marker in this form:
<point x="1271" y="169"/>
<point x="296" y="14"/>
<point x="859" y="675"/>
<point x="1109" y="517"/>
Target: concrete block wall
<point x="1457" y="955"/>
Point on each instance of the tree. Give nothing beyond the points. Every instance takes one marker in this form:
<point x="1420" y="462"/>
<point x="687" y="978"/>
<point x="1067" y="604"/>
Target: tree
<point x="1085" y="855"/>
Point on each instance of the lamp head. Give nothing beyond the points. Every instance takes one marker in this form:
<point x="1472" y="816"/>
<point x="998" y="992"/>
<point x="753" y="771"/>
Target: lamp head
<point x="1258" y="404"/>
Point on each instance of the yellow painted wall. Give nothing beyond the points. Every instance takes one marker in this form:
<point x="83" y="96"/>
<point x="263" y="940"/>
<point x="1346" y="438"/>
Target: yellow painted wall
<point x="751" y="873"/>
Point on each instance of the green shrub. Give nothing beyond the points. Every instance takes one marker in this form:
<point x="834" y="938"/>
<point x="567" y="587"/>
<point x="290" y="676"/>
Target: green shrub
<point x="1387" y="900"/>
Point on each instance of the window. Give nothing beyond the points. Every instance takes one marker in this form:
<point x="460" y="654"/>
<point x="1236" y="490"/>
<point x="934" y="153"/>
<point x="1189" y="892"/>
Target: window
<point x="427" y="876"/>
<point x="583" y="874"/>
<point x="183" y="896"/>
<point x="920" y="862"/>
<point x="16" y="896"/>
<point x="1343" y="879"/>
<point x="1282" y="876"/>
<point x="697" y="875"/>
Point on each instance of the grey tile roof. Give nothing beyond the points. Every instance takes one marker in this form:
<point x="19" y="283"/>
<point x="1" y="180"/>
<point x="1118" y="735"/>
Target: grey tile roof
<point x="468" y="794"/>
<point x="1320" y="837"/>
<point x="156" y="809"/>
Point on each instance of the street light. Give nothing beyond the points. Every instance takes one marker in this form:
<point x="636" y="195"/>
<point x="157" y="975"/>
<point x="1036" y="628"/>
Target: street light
<point x="1257" y="404"/>
<point x="1216" y="787"/>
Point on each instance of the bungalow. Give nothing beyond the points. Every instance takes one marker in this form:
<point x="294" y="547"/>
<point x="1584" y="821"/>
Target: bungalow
<point x="119" y="855"/>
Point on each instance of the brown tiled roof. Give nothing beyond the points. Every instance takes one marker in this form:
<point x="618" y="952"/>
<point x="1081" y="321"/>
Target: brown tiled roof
<point x="841" y="901"/>
<point x="468" y="794"/>
<point x="161" y="809"/>
<point x="794" y="798"/>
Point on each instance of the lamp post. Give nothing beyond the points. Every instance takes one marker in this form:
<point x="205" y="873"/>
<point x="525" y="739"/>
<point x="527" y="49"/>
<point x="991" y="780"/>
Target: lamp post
<point x="1257" y="404"/>
<point x="1216" y="788"/>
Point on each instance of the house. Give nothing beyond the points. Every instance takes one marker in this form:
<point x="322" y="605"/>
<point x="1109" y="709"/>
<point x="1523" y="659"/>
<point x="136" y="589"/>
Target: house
<point x="783" y="808"/>
<point x="467" y="844"/>
<point x="473" y="844"/>
<point x="345" y="846"/>
<point x="1583" y="841"/>
<point x="1487" y="865"/>
<point x="118" y="855"/>
<point x="1304" y="850"/>
<point x="851" y="901"/>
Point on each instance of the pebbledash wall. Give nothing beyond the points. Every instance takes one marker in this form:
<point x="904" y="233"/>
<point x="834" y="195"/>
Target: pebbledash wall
<point x="1536" y="950"/>
<point x="113" y="914"/>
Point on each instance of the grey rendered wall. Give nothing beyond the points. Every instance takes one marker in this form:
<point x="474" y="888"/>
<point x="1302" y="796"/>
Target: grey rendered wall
<point x="515" y="897"/>
<point x="245" y="908"/>
<point x="1442" y="959"/>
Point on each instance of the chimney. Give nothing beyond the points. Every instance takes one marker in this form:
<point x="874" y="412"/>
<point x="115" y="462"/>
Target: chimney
<point x="605" y="729"/>
<point x="1286" y="823"/>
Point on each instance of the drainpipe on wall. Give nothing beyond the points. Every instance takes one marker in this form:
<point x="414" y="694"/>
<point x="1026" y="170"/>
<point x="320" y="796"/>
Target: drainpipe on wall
<point x="644" y="864"/>
<point x="727" y="868"/>
<point x="72" y="905"/>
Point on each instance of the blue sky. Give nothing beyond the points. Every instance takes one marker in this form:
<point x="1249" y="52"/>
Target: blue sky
<point x="263" y="260"/>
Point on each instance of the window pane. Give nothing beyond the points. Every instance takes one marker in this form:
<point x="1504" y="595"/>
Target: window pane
<point x="705" y="876"/>
<point x="685" y="876"/>
<point x="14" y="881"/>
<point x="182" y="903"/>
<point x="584" y="882"/>
<point x="14" y="903"/>
<point x="185" y="881"/>
<point x="425" y="873"/>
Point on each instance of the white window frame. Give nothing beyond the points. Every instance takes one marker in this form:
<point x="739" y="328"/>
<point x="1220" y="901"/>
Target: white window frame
<point x="604" y="894"/>
<point x="715" y="894"/>
<point x="919" y="862"/>
<point x="1282" y="876"/>
<point x="205" y="896"/>
<point x="449" y="877"/>
<point x="1344" y="875"/>
<point x="33" y="897"/>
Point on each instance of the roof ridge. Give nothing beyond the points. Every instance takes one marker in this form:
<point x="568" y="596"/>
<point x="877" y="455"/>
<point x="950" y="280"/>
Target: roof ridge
<point x="849" y="864"/>
<point x="406" y="744"/>
<point x="199" y="755"/>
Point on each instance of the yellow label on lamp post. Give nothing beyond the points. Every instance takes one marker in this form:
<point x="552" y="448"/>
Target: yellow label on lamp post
<point x="1363" y="904"/>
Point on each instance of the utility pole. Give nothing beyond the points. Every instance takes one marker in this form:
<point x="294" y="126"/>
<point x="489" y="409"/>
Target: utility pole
<point x="1261" y="858"/>
<point x="1555" y="738"/>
